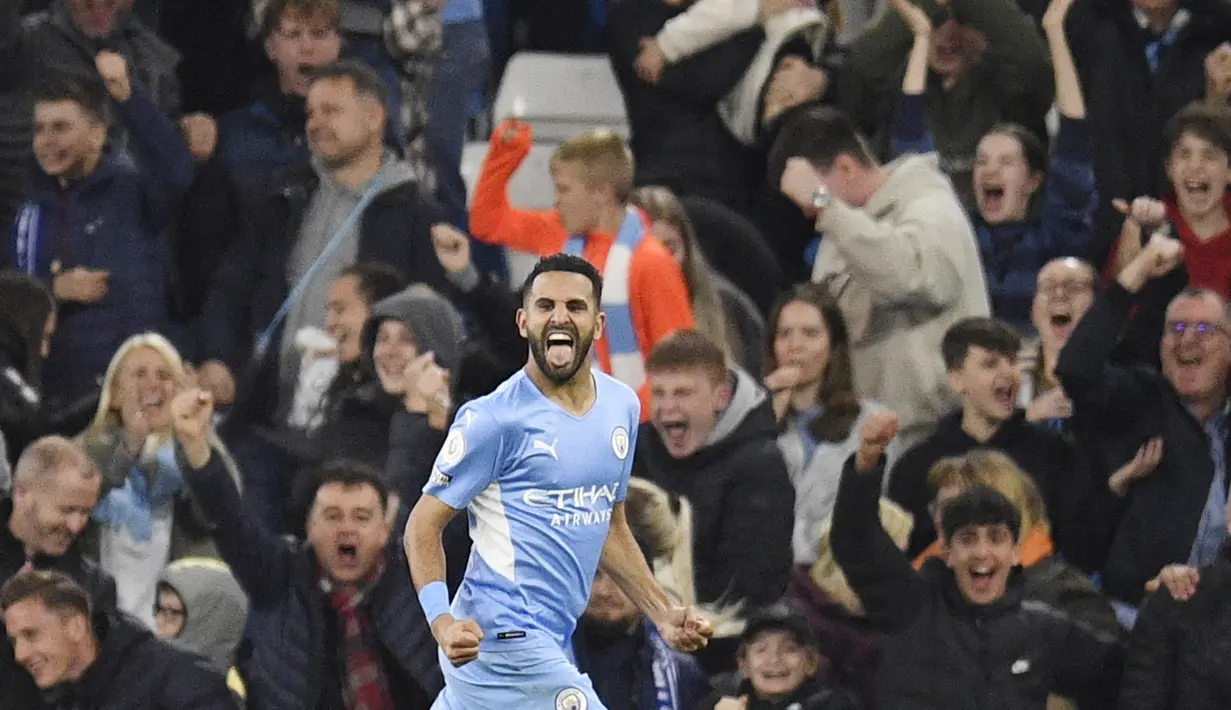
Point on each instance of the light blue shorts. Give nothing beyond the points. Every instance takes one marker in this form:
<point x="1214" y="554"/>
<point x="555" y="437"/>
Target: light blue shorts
<point x="533" y="678"/>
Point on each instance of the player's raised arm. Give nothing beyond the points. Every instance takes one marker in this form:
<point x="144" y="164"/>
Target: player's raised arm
<point x="465" y="466"/>
<point x="682" y="627"/>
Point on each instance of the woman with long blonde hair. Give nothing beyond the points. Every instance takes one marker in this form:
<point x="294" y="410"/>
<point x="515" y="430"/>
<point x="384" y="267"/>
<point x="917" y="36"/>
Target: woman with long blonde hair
<point x="144" y="517"/>
<point x="720" y="310"/>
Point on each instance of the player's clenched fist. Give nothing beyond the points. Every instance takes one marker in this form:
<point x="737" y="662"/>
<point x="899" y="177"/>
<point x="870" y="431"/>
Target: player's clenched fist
<point x="685" y="630"/>
<point x="458" y="638"/>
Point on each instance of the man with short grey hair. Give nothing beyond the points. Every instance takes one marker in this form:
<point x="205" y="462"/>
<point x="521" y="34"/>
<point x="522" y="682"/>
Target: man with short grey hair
<point x="55" y="486"/>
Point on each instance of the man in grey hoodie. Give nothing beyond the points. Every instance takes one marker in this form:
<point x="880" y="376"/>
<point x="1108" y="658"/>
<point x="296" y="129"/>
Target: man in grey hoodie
<point x="711" y="439"/>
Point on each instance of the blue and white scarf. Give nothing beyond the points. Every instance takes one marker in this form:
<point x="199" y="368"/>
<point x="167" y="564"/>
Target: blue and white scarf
<point x="132" y="506"/>
<point x="624" y="351"/>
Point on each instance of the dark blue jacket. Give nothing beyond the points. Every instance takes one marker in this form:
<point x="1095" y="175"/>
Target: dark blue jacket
<point x="265" y="135"/>
<point x="293" y="640"/>
<point x="269" y="134"/>
<point x="691" y="683"/>
<point x="111" y="220"/>
<point x="1013" y="254"/>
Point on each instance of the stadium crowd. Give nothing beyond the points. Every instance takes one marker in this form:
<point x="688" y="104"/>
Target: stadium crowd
<point x="926" y="302"/>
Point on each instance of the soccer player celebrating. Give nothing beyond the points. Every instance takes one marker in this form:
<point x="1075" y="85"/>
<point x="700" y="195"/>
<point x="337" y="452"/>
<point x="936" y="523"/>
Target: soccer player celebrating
<point x="541" y="465"/>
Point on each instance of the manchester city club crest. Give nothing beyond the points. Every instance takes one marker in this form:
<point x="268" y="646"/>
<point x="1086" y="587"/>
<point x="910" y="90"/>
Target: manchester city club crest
<point x="572" y="698"/>
<point x="619" y="442"/>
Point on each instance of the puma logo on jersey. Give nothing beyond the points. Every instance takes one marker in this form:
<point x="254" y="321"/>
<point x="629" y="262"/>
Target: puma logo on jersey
<point x="540" y="445"/>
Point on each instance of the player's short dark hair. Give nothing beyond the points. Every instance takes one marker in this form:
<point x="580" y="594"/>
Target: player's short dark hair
<point x="687" y="349"/>
<point x="363" y="78"/>
<point x="55" y="590"/>
<point x="820" y="135"/>
<point x="568" y="263"/>
<point x="987" y="333"/>
<point x="376" y="280"/>
<point x="327" y="11"/>
<point x="979" y="506"/>
<point x="1208" y="122"/>
<point x="90" y="96"/>
<point x="347" y="473"/>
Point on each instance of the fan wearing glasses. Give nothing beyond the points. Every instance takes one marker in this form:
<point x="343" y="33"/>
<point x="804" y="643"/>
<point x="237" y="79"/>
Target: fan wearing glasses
<point x="1176" y="515"/>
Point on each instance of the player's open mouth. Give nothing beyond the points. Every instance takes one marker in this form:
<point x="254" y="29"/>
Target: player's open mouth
<point x="560" y="348"/>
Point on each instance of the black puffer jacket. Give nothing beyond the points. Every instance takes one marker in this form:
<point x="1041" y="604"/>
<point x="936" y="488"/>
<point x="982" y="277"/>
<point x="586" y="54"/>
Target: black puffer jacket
<point x="1180" y="651"/>
<point x="941" y="652"/>
<point x="137" y="671"/>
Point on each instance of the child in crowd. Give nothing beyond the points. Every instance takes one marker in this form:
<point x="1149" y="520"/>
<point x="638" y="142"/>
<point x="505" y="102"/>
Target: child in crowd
<point x="781" y="667"/>
<point x="1197" y="206"/>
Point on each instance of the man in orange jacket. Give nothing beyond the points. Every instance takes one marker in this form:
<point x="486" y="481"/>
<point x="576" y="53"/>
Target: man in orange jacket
<point x="644" y="295"/>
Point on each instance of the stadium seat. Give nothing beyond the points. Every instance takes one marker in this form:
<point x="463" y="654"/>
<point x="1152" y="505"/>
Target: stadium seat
<point x="530" y="188"/>
<point x="561" y="95"/>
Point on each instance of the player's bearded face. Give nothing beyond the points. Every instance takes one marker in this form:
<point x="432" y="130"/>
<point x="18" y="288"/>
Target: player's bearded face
<point x="560" y="349"/>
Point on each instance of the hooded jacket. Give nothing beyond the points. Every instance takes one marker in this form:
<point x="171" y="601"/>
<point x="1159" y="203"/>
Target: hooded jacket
<point x="741" y="496"/>
<point x="216" y="609"/>
<point x="904" y="268"/>
<point x="357" y="411"/>
<point x="434" y="323"/>
<point x="135" y="670"/>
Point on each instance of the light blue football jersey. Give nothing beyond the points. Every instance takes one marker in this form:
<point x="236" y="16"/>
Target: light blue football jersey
<point x="538" y="485"/>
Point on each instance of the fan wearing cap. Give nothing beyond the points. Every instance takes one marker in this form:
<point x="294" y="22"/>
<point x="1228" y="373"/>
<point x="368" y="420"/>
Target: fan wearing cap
<point x="781" y="667"/>
<point x="959" y="632"/>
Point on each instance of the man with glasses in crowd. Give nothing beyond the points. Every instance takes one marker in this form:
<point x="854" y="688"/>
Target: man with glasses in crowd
<point x="1177" y="513"/>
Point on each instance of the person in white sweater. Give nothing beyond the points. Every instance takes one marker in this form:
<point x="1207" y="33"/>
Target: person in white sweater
<point x="898" y="253"/>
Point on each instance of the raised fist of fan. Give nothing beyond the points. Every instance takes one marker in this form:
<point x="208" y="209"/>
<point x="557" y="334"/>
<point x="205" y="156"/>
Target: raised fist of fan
<point x="113" y="69"/>
<point x="874" y="438"/>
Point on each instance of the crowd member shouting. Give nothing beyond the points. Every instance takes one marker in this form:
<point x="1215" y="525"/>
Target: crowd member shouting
<point x="1029" y="208"/>
<point x="958" y="631"/>
<point x="145" y="516"/>
<point x="341" y="596"/>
